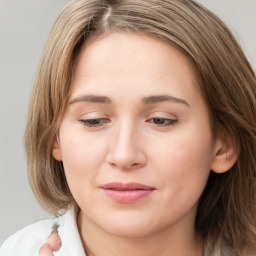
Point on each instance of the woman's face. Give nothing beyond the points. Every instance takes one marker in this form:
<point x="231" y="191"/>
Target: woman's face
<point x="135" y="140"/>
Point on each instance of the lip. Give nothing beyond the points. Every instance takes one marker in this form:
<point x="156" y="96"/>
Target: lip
<point x="126" y="192"/>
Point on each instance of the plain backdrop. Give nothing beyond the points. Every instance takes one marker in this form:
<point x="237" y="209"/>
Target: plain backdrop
<point x="24" y="28"/>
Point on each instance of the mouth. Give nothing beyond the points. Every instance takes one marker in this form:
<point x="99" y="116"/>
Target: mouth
<point x="126" y="192"/>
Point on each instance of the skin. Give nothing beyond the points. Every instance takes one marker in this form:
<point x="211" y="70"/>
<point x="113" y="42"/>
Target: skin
<point x="163" y="143"/>
<point x="53" y="244"/>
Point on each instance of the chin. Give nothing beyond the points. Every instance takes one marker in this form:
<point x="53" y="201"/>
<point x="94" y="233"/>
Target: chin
<point x="131" y="227"/>
<point x="129" y="231"/>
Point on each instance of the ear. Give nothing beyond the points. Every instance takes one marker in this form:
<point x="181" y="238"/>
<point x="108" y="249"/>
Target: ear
<point x="56" y="151"/>
<point x="226" y="154"/>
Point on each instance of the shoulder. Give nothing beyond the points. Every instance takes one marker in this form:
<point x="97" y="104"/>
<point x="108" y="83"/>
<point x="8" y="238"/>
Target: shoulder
<point x="29" y="240"/>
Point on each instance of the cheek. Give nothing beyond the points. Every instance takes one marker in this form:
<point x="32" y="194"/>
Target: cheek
<point x="182" y="153"/>
<point x="184" y="165"/>
<point x="82" y="158"/>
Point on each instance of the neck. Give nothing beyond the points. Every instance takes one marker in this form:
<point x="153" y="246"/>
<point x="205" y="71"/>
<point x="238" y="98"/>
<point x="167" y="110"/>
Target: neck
<point x="98" y="242"/>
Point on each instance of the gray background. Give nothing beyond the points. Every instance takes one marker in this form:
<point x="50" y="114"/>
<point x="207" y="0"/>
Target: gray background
<point x="24" y="28"/>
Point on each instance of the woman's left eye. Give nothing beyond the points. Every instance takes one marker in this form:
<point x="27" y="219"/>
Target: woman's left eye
<point x="160" y="121"/>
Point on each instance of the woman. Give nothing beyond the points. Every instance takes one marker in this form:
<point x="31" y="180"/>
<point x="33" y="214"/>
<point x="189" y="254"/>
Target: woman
<point x="141" y="129"/>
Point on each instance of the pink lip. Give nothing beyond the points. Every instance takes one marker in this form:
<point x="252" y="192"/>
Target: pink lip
<point x="126" y="193"/>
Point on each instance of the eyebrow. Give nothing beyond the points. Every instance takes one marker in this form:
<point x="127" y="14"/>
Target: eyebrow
<point x="163" y="98"/>
<point x="91" y="98"/>
<point x="146" y="100"/>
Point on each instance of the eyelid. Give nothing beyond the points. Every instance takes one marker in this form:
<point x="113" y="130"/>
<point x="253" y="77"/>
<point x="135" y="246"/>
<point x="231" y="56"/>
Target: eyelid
<point x="157" y="121"/>
<point x="94" y="119"/>
<point x="162" y="114"/>
<point x="94" y="122"/>
<point x="160" y="119"/>
<point x="93" y="115"/>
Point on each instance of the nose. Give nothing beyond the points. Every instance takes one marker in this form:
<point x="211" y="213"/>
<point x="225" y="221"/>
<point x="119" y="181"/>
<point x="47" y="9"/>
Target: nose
<point x="125" y="150"/>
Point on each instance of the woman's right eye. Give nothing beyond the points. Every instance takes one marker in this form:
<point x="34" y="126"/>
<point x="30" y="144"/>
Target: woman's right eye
<point x="95" y="122"/>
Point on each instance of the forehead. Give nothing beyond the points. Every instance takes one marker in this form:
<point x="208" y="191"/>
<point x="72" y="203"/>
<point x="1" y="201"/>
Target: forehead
<point x="116" y="48"/>
<point x="128" y="60"/>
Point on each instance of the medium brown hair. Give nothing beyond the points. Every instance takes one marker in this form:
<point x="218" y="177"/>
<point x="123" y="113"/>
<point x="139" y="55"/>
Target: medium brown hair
<point x="226" y="211"/>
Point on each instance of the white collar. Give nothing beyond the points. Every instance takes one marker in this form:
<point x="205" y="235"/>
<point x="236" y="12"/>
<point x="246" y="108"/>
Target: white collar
<point x="69" y="234"/>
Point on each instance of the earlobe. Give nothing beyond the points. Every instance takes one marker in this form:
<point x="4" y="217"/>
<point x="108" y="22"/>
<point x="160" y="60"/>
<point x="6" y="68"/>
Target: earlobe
<point x="56" y="151"/>
<point x="226" y="154"/>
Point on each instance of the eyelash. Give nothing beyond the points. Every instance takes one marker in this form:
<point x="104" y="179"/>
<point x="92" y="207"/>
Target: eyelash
<point x="94" y="122"/>
<point x="166" y="121"/>
<point x="98" y="122"/>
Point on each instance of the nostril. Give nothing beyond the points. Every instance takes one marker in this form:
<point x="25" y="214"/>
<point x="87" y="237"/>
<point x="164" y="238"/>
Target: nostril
<point x="125" y="153"/>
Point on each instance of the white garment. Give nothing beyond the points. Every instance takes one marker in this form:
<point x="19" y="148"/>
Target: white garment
<point x="28" y="241"/>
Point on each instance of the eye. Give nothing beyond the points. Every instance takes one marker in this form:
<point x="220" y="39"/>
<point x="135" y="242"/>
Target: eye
<point x="95" y="122"/>
<point x="159" y="121"/>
